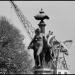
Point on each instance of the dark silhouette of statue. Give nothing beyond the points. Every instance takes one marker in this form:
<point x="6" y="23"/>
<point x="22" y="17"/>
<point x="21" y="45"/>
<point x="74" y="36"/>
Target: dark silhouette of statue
<point x="47" y="51"/>
<point x="37" y="45"/>
<point x="41" y="49"/>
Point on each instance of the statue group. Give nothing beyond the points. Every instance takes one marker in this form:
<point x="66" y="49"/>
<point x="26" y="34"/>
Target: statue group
<point x="46" y="48"/>
<point x="42" y="50"/>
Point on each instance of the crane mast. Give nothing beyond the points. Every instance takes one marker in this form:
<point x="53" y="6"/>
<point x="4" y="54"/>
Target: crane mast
<point x="27" y="25"/>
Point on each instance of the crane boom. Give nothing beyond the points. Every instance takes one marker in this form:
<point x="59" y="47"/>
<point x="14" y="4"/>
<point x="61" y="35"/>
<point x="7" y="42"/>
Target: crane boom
<point x="27" y="25"/>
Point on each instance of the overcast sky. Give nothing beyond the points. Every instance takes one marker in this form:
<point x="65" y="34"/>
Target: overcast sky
<point x="61" y="22"/>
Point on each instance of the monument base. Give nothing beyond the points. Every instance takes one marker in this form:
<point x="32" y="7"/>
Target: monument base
<point x="43" y="71"/>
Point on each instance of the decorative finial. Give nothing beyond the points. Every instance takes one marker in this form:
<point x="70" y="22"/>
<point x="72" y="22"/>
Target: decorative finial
<point x="41" y="16"/>
<point x="41" y="11"/>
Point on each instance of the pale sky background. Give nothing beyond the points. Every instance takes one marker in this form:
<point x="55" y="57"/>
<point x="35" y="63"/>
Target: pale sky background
<point x="61" y="22"/>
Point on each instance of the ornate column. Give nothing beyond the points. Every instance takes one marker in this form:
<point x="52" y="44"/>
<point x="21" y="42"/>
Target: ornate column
<point x="41" y="16"/>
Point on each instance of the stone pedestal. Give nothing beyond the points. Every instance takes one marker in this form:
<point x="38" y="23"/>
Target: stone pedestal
<point x="43" y="71"/>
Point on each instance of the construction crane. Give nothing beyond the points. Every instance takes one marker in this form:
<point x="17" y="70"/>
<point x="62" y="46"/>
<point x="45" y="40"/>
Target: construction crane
<point x="27" y="25"/>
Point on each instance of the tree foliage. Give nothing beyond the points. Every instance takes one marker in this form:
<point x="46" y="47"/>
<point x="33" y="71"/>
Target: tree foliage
<point x="13" y="56"/>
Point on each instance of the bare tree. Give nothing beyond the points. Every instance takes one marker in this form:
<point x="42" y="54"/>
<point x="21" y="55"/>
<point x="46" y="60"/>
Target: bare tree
<point x="13" y="56"/>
